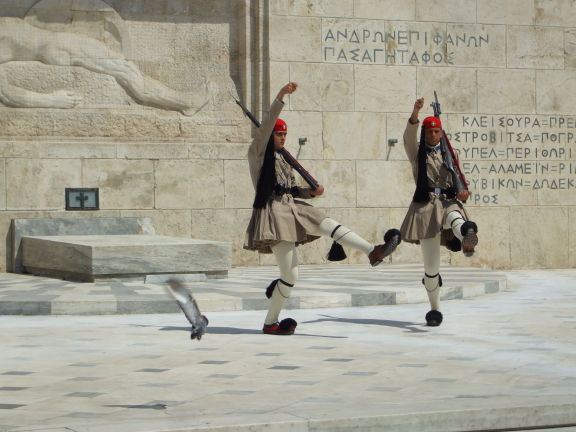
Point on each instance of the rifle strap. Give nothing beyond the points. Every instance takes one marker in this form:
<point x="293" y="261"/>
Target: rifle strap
<point x="455" y="158"/>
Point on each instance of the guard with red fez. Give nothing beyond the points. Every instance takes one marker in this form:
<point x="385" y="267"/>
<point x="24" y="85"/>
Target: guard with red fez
<point x="280" y="220"/>
<point x="436" y="215"/>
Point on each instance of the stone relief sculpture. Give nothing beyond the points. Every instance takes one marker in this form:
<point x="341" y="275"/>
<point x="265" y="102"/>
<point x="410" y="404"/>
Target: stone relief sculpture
<point x="23" y="42"/>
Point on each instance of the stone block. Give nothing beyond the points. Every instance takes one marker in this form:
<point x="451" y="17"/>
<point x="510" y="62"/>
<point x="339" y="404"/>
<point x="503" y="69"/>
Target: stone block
<point x="385" y="9"/>
<point x="93" y="257"/>
<point x="354" y="135"/>
<point x="515" y="12"/>
<point x="15" y="8"/>
<point x="572" y="238"/>
<point x="451" y="84"/>
<point x="312" y="7"/>
<point x="338" y="177"/>
<point x="123" y="184"/>
<point x="232" y="150"/>
<point x="325" y="87"/>
<point x="383" y="88"/>
<point x="476" y="45"/>
<point x="227" y="225"/>
<point x="152" y="151"/>
<point x="238" y="187"/>
<point x="555" y="13"/>
<point x="570" y="49"/>
<point x="395" y="125"/>
<point x="39" y="184"/>
<point x="279" y="76"/>
<point x="304" y="124"/>
<point x="165" y="222"/>
<point x="535" y="47"/>
<point x="295" y="39"/>
<point x="190" y="184"/>
<point x="35" y="225"/>
<point x="446" y="10"/>
<point x="494" y="239"/>
<point x="43" y="148"/>
<point x="384" y="183"/>
<point x="506" y="91"/>
<point x="2" y="184"/>
<point x="538" y="237"/>
<point x="551" y="90"/>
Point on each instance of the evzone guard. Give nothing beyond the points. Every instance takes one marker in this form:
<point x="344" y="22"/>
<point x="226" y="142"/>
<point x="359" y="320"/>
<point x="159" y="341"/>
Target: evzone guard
<point x="436" y="215"/>
<point x="280" y="221"/>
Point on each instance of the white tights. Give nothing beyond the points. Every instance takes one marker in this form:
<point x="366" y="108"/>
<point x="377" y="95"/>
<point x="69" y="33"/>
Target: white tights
<point x="287" y="260"/>
<point x="431" y="258"/>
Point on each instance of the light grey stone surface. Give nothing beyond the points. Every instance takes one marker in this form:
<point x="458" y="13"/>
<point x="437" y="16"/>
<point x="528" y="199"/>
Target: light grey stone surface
<point x="539" y="247"/>
<point x="509" y="91"/>
<point x="519" y="12"/>
<point x="457" y="88"/>
<point x="385" y="9"/>
<point x="123" y="184"/>
<point x="2" y="185"/>
<point x="551" y="90"/>
<point x="189" y="184"/>
<point x="364" y="141"/>
<point x="72" y="226"/>
<point x="535" y="47"/>
<point x="440" y="10"/>
<point x="555" y="13"/>
<point x="90" y="257"/>
<point x="374" y="175"/>
<point x="328" y="87"/>
<point x="41" y="182"/>
<point x="291" y="32"/>
<point x="383" y="88"/>
<point x="312" y="7"/>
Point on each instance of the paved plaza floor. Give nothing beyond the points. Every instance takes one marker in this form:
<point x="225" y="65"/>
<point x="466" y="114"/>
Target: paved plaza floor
<point x="504" y="359"/>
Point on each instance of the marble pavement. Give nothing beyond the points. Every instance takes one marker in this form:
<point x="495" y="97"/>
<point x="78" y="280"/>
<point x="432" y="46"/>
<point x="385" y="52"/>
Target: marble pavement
<point x="500" y="361"/>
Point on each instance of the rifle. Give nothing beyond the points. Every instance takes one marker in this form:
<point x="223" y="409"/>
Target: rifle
<point x="448" y="154"/>
<point x="312" y="182"/>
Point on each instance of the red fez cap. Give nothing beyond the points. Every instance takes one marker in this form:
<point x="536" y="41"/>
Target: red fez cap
<point x="280" y="126"/>
<point x="431" y="122"/>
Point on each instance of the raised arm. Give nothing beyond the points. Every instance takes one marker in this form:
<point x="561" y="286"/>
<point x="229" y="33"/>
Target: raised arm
<point x="258" y="146"/>
<point x="411" y="131"/>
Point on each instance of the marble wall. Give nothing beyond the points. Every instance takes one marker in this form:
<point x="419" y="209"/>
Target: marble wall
<point x="134" y="97"/>
<point x="503" y="71"/>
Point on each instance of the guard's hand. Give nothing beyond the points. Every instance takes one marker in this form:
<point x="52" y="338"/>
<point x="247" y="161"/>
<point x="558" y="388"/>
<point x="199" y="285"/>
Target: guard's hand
<point x="463" y="195"/>
<point x="287" y="89"/>
<point x="319" y="191"/>
<point x="419" y="104"/>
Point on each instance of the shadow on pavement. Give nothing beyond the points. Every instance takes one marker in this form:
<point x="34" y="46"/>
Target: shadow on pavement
<point x="406" y="325"/>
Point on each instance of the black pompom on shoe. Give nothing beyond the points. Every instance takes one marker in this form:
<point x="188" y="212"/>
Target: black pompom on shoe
<point x="470" y="238"/>
<point x="454" y="245"/>
<point x="285" y="327"/>
<point x="434" y="318"/>
<point x="336" y="252"/>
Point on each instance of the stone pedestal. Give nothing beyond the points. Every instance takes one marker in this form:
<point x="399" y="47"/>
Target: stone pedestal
<point x="94" y="257"/>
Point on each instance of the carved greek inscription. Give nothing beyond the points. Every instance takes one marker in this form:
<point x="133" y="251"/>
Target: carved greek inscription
<point x="348" y="42"/>
<point x="504" y="157"/>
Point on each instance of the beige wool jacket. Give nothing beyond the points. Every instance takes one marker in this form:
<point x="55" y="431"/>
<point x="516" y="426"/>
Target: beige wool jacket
<point x="426" y="220"/>
<point x="283" y="218"/>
